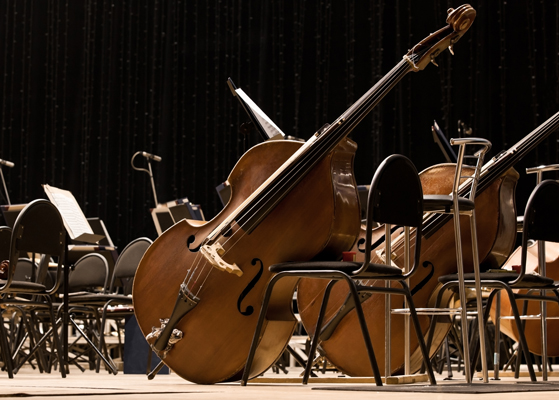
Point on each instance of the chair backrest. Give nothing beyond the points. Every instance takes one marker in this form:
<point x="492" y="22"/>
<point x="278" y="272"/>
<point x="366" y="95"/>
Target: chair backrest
<point x="39" y="230"/>
<point x="128" y="261"/>
<point x="25" y="270"/>
<point x="89" y="273"/>
<point x="541" y="218"/>
<point x="482" y="146"/>
<point x="539" y="170"/>
<point x="395" y="198"/>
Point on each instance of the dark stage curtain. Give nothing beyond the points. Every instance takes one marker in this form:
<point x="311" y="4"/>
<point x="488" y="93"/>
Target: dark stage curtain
<point x="85" y="84"/>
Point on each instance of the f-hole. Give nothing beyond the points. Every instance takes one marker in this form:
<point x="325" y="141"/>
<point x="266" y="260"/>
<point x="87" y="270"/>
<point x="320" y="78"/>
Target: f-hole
<point x="419" y="286"/>
<point x="361" y="245"/>
<point x="250" y="309"/>
<point x="191" y="239"/>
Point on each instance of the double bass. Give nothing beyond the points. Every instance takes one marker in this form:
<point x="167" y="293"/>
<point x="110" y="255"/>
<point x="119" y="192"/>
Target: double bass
<point x="496" y="226"/>
<point x="197" y="288"/>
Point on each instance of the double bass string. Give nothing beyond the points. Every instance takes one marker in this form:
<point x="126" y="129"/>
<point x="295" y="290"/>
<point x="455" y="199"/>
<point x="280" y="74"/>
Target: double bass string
<point x="521" y="148"/>
<point x="287" y="180"/>
<point x="326" y="142"/>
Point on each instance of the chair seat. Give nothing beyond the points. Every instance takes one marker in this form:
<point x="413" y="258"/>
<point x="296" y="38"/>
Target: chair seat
<point x="528" y="282"/>
<point x="347" y="267"/>
<point x="24" y="287"/>
<point x="436" y="202"/>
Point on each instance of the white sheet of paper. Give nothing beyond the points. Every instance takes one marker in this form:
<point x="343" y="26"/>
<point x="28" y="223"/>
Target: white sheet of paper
<point x="74" y="220"/>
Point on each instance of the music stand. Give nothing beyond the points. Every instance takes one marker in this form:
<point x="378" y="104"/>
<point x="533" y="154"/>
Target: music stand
<point x="440" y="138"/>
<point x="162" y="218"/>
<point x="167" y="214"/>
<point x="78" y="229"/>
<point x="224" y="192"/>
<point x="265" y="126"/>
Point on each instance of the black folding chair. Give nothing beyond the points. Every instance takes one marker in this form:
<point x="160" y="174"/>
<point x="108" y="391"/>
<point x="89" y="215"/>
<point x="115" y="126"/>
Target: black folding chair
<point x="116" y="302"/>
<point x="395" y="198"/>
<point x="541" y="220"/>
<point x="38" y="232"/>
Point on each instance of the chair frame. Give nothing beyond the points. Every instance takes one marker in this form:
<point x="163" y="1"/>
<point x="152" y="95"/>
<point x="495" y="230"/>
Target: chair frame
<point x="5" y="239"/>
<point x="454" y="205"/>
<point x="79" y="308"/>
<point x="530" y="231"/>
<point x="123" y="298"/>
<point x="539" y="170"/>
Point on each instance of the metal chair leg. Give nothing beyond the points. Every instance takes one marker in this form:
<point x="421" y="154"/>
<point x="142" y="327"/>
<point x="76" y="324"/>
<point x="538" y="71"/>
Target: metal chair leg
<point x="419" y="334"/>
<point x="479" y="299"/>
<point x="497" y="351"/>
<point x="448" y="362"/>
<point x="316" y="337"/>
<point x="462" y="293"/>
<point x="365" y="331"/>
<point x="258" y="329"/>
<point x="30" y="323"/>
<point x="57" y="343"/>
<point x="7" y="355"/>
<point x="520" y="328"/>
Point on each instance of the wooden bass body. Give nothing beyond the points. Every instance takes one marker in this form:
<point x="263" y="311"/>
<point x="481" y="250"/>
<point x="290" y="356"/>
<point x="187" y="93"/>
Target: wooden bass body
<point x="532" y="329"/>
<point x="318" y="217"/>
<point x="496" y="227"/>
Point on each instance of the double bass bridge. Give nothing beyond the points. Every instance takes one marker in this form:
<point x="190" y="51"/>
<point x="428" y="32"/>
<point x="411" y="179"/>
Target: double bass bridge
<point x="213" y="254"/>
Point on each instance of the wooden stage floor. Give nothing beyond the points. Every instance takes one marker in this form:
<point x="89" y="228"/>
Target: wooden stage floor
<point x="29" y="383"/>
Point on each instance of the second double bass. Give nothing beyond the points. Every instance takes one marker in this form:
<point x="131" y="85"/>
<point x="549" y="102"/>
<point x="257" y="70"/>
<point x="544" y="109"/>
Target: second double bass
<point x="344" y="347"/>
<point x="496" y="226"/>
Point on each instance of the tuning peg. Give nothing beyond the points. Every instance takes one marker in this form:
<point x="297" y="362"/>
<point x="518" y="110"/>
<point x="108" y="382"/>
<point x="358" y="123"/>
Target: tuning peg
<point x="451" y="49"/>
<point x="433" y="60"/>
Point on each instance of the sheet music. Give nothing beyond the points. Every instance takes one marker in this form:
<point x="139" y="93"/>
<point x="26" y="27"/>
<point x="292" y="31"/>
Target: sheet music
<point x="76" y="224"/>
<point x="267" y="124"/>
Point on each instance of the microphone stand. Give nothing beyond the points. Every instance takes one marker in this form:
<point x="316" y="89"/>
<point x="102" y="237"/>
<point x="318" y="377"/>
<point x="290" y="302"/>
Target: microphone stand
<point x="159" y="366"/>
<point x="5" y="189"/>
<point x="148" y="171"/>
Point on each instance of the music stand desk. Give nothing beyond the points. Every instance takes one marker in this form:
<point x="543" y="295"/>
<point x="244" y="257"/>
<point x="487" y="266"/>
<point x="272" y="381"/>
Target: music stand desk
<point x="10" y="213"/>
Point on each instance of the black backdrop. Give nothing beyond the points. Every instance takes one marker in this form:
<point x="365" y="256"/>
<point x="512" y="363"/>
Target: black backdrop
<point x="85" y="84"/>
